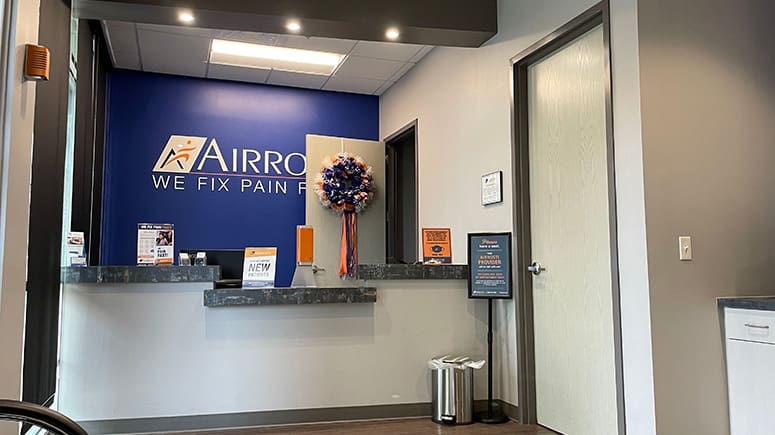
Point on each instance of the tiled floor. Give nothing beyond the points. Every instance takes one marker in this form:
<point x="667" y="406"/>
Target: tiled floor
<point x="384" y="427"/>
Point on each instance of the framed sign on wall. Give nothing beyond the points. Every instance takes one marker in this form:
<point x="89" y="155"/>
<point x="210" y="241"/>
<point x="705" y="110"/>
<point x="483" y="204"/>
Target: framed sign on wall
<point x="489" y="262"/>
<point x="492" y="188"/>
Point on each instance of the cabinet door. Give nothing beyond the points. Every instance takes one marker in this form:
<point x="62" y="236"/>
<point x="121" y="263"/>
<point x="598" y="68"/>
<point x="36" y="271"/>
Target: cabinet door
<point x="751" y="387"/>
<point x="327" y="225"/>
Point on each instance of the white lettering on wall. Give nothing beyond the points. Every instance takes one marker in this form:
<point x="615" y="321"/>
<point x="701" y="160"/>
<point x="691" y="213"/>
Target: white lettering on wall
<point x="303" y="162"/>
<point x="161" y="180"/>
<point x="252" y="162"/>
<point x="216" y="150"/>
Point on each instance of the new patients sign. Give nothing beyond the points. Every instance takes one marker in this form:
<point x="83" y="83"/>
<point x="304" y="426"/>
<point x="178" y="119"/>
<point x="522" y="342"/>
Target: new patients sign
<point x="223" y="161"/>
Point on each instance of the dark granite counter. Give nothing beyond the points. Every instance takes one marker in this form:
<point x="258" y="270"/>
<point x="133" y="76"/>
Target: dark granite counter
<point x="766" y="303"/>
<point x="289" y="296"/>
<point x="137" y="274"/>
<point x="412" y="271"/>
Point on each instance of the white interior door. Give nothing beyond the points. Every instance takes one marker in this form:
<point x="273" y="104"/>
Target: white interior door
<point x="569" y="209"/>
<point x="327" y="225"/>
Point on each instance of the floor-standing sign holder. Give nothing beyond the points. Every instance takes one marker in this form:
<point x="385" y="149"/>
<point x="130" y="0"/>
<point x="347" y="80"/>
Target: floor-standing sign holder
<point x="489" y="277"/>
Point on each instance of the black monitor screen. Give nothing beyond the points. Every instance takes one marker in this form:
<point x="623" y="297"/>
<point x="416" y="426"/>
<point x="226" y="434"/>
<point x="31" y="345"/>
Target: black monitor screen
<point x="230" y="260"/>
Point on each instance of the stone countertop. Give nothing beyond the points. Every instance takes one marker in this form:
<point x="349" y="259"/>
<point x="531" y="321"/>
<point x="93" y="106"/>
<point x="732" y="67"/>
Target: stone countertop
<point x="765" y="303"/>
<point x="139" y="274"/>
<point x="289" y="296"/>
<point x="412" y="271"/>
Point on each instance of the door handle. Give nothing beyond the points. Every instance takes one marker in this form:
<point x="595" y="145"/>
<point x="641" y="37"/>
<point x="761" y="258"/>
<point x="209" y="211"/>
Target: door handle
<point x="536" y="268"/>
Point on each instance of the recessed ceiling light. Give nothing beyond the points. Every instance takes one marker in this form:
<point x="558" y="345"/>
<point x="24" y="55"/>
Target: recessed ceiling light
<point x="392" y="33"/>
<point x="186" y="17"/>
<point x="293" y="26"/>
<point x="270" y="57"/>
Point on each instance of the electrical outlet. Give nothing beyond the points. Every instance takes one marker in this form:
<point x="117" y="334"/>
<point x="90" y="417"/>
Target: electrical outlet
<point x="685" y="248"/>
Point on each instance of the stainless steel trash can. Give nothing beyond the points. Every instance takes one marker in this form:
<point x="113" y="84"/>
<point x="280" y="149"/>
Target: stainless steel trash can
<point x="453" y="395"/>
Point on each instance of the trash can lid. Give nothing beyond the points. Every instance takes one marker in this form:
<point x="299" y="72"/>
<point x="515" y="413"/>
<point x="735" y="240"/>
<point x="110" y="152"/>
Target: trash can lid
<point x="454" y="359"/>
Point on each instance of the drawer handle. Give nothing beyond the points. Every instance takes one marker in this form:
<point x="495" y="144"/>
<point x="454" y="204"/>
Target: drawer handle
<point x="750" y="325"/>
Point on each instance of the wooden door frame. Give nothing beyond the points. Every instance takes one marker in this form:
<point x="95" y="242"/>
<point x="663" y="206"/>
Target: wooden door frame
<point x="596" y="15"/>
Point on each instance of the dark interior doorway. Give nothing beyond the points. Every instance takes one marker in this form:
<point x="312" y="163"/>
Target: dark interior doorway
<point x="401" y="230"/>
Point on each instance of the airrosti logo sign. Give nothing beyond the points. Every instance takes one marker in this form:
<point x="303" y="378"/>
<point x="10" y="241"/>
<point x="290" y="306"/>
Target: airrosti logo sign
<point x="193" y="162"/>
<point x="180" y="154"/>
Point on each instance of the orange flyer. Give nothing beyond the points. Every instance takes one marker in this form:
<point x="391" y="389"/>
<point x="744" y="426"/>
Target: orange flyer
<point x="436" y="246"/>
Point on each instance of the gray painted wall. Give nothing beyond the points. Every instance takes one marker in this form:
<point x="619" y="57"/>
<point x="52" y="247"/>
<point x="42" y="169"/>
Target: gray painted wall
<point x="708" y="112"/>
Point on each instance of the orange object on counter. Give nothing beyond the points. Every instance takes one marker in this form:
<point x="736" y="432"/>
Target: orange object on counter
<point x="305" y="244"/>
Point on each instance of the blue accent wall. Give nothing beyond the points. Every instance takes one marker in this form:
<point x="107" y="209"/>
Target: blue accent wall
<point x="144" y="110"/>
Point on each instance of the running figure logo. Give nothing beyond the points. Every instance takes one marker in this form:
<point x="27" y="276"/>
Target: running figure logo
<point x="180" y="154"/>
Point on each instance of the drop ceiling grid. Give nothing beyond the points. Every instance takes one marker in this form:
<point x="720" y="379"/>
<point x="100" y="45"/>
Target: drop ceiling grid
<point x="368" y="67"/>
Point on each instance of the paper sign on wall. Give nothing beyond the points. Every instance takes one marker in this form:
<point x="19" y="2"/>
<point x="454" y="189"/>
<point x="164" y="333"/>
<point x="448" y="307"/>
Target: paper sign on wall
<point x="155" y="244"/>
<point x="436" y="245"/>
<point x="259" y="268"/>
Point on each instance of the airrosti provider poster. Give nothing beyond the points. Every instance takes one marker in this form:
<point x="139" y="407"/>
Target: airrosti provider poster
<point x="222" y="160"/>
<point x="259" y="268"/>
<point x="436" y="245"/>
<point x="489" y="261"/>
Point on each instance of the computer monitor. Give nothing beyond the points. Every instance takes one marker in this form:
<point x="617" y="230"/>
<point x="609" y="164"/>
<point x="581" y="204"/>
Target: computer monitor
<point x="230" y="260"/>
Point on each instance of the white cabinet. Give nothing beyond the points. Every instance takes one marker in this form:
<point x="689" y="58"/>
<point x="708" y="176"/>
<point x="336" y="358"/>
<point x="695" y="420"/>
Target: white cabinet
<point x="750" y="351"/>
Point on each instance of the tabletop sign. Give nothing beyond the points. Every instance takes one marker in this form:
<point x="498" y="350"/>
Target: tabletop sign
<point x="259" y="268"/>
<point x="436" y="246"/>
<point x="155" y="244"/>
<point x="492" y="188"/>
<point x="489" y="260"/>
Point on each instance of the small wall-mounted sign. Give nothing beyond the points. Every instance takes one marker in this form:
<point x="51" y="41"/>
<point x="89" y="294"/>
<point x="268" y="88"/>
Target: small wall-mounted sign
<point x="492" y="188"/>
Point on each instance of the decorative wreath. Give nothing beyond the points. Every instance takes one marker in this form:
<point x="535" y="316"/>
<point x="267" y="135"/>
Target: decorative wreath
<point x="345" y="183"/>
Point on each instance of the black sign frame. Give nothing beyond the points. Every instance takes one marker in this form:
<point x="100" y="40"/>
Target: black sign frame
<point x="472" y="292"/>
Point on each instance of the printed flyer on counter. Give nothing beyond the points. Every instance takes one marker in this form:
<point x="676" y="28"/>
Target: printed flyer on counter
<point x="436" y="246"/>
<point x="75" y="249"/>
<point x="155" y="244"/>
<point x="259" y="268"/>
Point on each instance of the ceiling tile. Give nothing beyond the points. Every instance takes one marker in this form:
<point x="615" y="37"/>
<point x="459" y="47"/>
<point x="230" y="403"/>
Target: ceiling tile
<point x="172" y="53"/>
<point x="297" y="80"/>
<point x="368" y="68"/>
<point x="356" y="85"/>
<point x="122" y="41"/>
<point x="341" y="46"/>
<point x="252" y="37"/>
<point x="420" y="54"/>
<point x="385" y="86"/>
<point x="386" y="50"/>
<point x="177" y="30"/>
<point x="240" y="74"/>
<point x="400" y="73"/>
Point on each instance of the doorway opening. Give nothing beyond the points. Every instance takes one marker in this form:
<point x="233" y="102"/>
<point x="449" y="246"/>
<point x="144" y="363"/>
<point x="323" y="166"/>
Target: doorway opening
<point x="401" y="230"/>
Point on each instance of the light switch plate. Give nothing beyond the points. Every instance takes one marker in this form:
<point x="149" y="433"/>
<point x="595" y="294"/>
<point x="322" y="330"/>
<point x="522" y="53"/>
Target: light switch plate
<point x="685" y="248"/>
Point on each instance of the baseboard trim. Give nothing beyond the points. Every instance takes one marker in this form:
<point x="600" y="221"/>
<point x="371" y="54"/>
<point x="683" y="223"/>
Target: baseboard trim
<point x="272" y="418"/>
<point x="252" y="419"/>
<point x="511" y="411"/>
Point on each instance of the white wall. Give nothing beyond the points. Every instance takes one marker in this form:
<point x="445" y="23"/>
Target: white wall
<point x="631" y="220"/>
<point x="147" y="350"/>
<point x="462" y="100"/>
<point x="15" y="211"/>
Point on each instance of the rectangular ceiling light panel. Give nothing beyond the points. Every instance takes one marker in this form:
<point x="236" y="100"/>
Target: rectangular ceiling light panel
<point x="247" y="55"/>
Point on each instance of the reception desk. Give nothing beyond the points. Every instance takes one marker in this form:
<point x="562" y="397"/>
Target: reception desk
<point x="158" y="349"/>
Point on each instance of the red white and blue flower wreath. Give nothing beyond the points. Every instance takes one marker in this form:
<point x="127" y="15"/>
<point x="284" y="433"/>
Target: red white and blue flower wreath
<point x="345" y="185"/>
